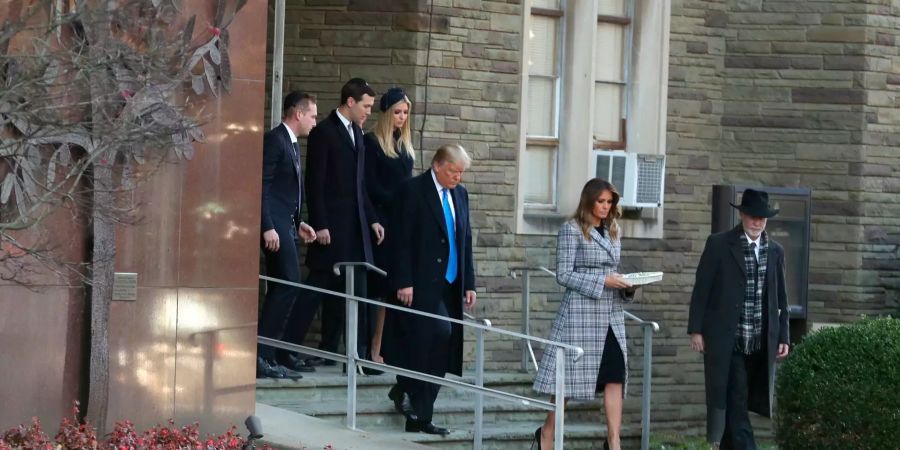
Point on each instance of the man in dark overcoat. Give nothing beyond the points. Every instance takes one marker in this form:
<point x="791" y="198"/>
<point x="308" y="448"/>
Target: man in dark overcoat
<point x="342" y="215"/>
<point x="432" y="271"/>
<point x="739" y="321"/>
<point x="281" y="227"/>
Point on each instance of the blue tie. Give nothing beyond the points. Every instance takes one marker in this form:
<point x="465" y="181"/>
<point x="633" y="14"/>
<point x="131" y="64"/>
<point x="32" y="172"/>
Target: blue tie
<point x="451" y="237"/>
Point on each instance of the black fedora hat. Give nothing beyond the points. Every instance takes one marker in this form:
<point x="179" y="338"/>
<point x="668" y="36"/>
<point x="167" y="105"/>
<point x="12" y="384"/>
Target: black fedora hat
<point x="756" y="203"/>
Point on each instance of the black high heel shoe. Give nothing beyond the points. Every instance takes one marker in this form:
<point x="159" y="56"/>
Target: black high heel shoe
<point x="537" y="439"/>
<point x="605" y="444"/>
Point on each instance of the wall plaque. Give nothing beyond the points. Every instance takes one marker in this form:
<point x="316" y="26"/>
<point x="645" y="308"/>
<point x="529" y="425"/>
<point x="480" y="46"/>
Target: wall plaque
<point x="125" y="286"/>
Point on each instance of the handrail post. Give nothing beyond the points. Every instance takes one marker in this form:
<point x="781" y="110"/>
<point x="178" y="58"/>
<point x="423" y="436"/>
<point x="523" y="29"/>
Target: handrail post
<point x="479" y="381"/>
<point x="648" y="376"/>
<point x="560" y="397"/>
<point x="350" y="341"/>
<point x="526" y="315"/>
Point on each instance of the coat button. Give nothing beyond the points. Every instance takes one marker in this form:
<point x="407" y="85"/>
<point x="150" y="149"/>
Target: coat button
<point x="439" y="260"/>
<point x="443" y="241"/>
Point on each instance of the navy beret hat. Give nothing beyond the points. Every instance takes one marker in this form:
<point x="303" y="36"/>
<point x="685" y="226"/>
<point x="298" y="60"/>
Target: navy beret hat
<point x="393" y="95"/>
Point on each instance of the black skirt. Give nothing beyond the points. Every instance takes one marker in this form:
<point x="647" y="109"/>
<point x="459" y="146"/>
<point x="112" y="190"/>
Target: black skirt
<point x="612" y="363"/>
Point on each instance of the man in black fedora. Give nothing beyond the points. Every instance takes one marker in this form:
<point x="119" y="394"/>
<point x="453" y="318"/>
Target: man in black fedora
<point x="739" y="322"/>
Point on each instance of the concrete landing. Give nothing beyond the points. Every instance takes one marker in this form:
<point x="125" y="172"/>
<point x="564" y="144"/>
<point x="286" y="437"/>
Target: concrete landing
<point x="288" y="430"/>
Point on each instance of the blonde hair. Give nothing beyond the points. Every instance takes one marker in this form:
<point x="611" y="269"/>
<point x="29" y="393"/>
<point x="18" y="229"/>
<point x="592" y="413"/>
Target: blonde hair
<point x="384" y="132"/>
<point x="452" y="153"/>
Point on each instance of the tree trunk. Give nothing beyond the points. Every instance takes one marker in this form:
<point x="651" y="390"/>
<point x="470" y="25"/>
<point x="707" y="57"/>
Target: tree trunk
<point x="102" y="276"/>
<point x="96" y="21"/>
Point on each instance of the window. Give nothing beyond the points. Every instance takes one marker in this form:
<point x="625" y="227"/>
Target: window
<point x="594" y="78"/>
<point x="612" y="50"/>
<point x="542" y="61"/>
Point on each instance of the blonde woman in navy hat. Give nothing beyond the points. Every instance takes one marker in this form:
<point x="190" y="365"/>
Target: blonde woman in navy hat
<point x="739" y="322"/>
<point x="389" y="163"/>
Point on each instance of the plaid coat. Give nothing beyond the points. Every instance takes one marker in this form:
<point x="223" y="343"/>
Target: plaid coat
<point x="587" y="310"/>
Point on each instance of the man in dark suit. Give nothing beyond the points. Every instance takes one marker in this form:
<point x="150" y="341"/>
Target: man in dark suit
<point x="281" y="227"/>
<point x="432" y="271"/>
<point x="739" y="321"/>
<point x="342" y="215"/>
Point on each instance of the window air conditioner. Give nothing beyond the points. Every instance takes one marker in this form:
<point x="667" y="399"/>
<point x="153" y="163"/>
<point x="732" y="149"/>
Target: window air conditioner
<point x="638" y="177"/>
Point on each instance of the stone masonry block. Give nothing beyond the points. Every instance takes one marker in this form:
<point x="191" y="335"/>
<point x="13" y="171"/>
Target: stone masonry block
<point x="757" y="62"/>
<point x="358" y="18"/>
<point x="828" y="96"/>
<point x="715" y="19"/>
<point x="392" y="6"/>
<point x="845" y="63"/>
<point x="837" y="34"/>
<point x="746" y="47"/>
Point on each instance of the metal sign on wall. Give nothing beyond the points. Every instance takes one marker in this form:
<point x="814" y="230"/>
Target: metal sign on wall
<point x="125" y="286"/>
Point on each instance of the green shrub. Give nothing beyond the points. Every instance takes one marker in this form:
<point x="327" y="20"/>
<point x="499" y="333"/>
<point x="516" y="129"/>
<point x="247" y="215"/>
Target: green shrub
<point x="840" y="389"/>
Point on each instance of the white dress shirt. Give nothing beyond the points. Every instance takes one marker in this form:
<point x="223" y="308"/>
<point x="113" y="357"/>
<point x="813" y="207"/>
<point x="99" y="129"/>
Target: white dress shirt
<point x="751" y="241"/>
<point x="440" y="188"/>
<point x="290" y="133"/>
<point x="347" y="127"/>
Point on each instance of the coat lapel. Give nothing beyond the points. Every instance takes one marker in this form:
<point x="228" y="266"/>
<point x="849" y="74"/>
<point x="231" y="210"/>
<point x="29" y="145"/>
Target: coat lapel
<point x="459" y="217"/>
<point x="359" y="146"/>
<point x="289" y="148"/>
<point x="433" y="200"/>
<point x="604" y="243"/>
<point x="342" y="130"/>
<point x="737" y="250"/>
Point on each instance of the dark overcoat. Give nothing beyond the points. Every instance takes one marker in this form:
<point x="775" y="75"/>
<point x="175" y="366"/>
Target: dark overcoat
<point x="281" y="183"/>
<point x="336" y="194"/>
<point x="715" y="310"/>
<point x="383" y="176"/>
<point x="420" y="248"/>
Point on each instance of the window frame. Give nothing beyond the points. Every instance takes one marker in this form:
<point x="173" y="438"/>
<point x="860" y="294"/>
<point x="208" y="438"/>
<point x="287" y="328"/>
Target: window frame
<point x="550" y="143"/>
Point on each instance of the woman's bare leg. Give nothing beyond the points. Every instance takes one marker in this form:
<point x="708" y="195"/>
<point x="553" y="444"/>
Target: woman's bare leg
<point x="548" y="429"/>
<point x="376" y="338"/>
<point x="612" y="403"/>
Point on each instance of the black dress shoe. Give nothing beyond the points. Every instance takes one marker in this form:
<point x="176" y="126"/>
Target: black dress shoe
<point x="287" y="373"/>
<point x="427" y="428"/>
<point x="316" y="361"/>
<point x="268" y="369"/>
<point x="402" y="403"/>
<point x="537" y="439"/>
<point x="296" y="364"/>
<point x="368" y="371"/>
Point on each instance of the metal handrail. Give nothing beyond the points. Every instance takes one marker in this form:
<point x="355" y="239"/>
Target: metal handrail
<point x="480" y="325"/>
<point x="649" y="327"/>
<point x="578" y="350"/>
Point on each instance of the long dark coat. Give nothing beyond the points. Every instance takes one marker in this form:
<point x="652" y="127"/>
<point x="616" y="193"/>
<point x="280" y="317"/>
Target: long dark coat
<point x="715" y="310"/>
<point x="419" y="244"/>
<point x="383" y="176"/>
<point x="336" y="194"/>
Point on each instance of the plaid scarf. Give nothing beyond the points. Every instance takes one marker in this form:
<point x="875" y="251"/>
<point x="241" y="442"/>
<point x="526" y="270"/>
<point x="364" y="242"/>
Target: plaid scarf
<point x="749" y="331"/>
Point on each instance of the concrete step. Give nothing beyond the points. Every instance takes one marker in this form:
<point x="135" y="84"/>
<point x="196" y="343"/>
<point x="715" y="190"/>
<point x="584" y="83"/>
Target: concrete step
<point x="287" y="430"/>
<point x="518" y="436"/>
<point x="449" y="412"/>
<point x="508" y="425"/>
<point x="328" y="383"/>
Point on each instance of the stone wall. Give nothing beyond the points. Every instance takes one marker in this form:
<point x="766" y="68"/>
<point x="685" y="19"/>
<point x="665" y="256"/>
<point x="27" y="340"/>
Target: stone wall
<point x="786" y="94"/>
<point x="778" y="93"/>
<point x="459" y="61"/>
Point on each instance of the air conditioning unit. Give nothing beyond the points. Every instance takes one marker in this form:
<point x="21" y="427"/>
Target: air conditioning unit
<point x="638" y="177"/>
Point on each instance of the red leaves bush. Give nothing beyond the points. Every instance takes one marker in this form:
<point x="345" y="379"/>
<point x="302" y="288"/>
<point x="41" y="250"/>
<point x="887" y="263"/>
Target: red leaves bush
<point x="74" y="434"/>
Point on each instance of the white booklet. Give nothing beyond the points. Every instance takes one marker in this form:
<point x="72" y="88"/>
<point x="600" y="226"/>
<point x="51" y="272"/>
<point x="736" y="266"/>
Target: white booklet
<point x="639" y="278"/>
